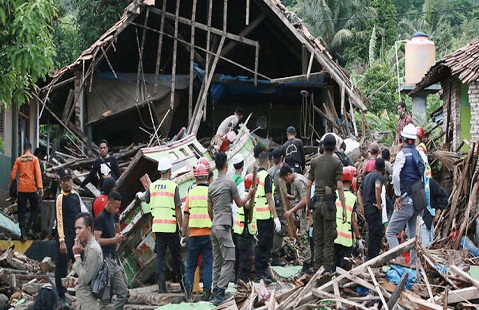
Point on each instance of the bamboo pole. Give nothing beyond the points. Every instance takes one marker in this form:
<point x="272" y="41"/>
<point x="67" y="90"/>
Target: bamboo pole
<point x="192" y="55"/>
<point x="160" y="45"/>
<point x="175" y="47"/>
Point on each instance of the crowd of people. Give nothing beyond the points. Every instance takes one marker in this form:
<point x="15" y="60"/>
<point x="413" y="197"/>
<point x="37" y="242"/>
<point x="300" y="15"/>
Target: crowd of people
<point x="230" y="221"/>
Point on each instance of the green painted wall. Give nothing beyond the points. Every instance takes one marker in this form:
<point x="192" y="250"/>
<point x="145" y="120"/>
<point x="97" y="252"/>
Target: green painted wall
<point x="465" y="116"/>
<point x="5" y="169"/>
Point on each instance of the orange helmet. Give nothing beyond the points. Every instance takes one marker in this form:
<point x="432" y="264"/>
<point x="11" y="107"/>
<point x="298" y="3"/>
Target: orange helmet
<point x="349" y="172"/>
<point x="201" y="171"/>
<point x="420" y="132"/>
<point x="248" y="180"/>
<point x="204" y="161"/>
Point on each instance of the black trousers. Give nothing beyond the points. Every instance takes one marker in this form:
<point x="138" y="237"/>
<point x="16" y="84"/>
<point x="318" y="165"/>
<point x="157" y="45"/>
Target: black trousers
<point x="171" y="241"/>
<point x="244" y="256"/>
<point x="61" y="263"/>
<point x="375" y="230"/>
<point x="340" y="252"/>
<point x="22" y="208"/>
<point x="264" y="246"/>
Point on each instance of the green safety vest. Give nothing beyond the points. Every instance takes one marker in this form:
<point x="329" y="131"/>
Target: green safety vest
<point x="345" y="234"/>
<point x="198" y="207"/>
<point x="261" y="203"/>
<point x="163" y="209"/>
<point x="240" y="221"/>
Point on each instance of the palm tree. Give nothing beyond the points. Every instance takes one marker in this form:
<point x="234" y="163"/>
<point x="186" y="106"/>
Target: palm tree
<point x="332" y="21"/>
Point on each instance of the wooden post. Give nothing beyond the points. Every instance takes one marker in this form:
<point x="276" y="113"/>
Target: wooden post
<point x="353" y="117"/>
<point x="140" y="94"/>
<point x="344" y="111"/>
<point x="67" y="114"/>
<point x="201" y="102"/>
<point x="160" y="44"/>
<point x="192" y="56"/>
<point x="173" y="68"/>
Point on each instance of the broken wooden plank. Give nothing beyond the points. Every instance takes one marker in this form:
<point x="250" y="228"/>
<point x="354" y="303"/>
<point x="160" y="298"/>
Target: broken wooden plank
<point x="463" y="294"/>
<point x="464" y="275"/>
<point x="409" y="300"/>
<point x="330" y="297"/>
<point x="378" y="288"/>
<point x="336" y="293"/>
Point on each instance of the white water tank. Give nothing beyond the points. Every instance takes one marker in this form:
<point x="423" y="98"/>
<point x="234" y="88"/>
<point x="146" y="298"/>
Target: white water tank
<point x="420" y="56"/>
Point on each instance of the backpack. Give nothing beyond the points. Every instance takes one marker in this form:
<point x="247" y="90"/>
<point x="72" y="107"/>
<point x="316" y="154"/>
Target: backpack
<point x="101" y="280"/>
<point x="13" y="190"/>
<point x="418" y="191"/>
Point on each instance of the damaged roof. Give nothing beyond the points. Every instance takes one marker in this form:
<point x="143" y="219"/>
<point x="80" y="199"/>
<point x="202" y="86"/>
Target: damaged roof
<point x="463" y="63"/>
<point x="283" y="34"/>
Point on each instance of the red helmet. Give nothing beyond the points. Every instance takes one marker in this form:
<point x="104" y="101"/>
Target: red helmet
<point x="355" y="184"/>
<point x="201" y="171"/>
<point x="349" y="172"/>
<point x="420" y="132"/>
<point x="204" y="161"/>
<point x="248" y="180"/>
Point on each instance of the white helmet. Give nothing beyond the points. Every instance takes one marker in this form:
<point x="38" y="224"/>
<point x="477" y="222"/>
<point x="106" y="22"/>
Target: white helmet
<point x="409" y="132"/>
<point x="164" y="164"/>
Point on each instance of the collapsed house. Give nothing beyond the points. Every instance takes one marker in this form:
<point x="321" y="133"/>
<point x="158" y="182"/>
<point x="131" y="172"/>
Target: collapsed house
<point x="168" y="65"/>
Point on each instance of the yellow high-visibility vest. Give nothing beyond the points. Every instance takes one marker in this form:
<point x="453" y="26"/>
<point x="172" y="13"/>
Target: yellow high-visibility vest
<point x="163" y="209"/>
<point x="240" y="221"/>
<point x="345" y="234"/>
<point x="198" y="207"/>
<point x="260" y="201"/>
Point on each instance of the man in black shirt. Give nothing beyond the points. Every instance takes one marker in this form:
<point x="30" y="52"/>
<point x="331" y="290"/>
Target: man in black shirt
<point x="439" y="199"/>
<point x="370" y="195"/>
<point x="68" y="205"/>
<point x="109" y="242"/>
<point x="104" y="166"/>
<point x="293" y="151"/>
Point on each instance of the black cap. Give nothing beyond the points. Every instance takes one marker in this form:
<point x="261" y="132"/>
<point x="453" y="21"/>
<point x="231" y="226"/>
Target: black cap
<point x="329" y="140"/>
<point x="291" y="130"/>
<point x="65" y="173"/>
<point x="263" y="156"/>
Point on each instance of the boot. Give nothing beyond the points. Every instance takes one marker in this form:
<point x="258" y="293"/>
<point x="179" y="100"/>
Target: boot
<point x="162" y="287"/>
<point x="31" y="231"/>
<point x="189" y="295"/>
<point x="23" y="236"/>
<point x="268" y="275"/>
<point x="207" y="295"/>
<point x="219" y="297"/>
<point x="275" y="261"/>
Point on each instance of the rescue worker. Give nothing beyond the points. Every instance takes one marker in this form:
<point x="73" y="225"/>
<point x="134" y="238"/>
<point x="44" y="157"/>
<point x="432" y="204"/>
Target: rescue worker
<point x="104" y="166"/>
<point x="238" y="165"/>
<point x="327" y="173"/>
<point x="278" y="237"/>
<point x="110" y="240"/>
<point x="244" y="231"/>
<point x="199" y="242"/>
<point x="68" y="205"/>
<point x="371" y="199"/>
<point x="369" y="165"/>
<point x="164" y="198"/>
<point x="266" y="219"/>
<point x="221" y="192"/>
<point x="293" y="151"/>
<point x="343" y="244"/>
<point x="230" y="122"/>
<point x="30" y="185"/>
<point x="438" y="203"/>
<point x="408" y="168"/>
<point x="404" y="120"/>
<point x="87" y="267"/>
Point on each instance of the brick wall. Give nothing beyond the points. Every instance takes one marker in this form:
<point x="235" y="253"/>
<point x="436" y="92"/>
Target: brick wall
<point x="452" y="104"/>
<point x="474" y="103"/>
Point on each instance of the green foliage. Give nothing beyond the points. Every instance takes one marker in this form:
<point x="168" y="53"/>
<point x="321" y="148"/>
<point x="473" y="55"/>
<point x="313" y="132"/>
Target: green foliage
<point x="374" y="78"/>
<point x="67" y="41"/>
<point x="335" y="23"/>
<point x="386" y="20"/>
<point x="94" y="17"/>
<point x="383" y="124"/>
<point x="27" y="49"/>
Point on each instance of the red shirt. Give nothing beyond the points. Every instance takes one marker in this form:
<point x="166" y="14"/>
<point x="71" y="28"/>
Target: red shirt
<point x="402" y="122"/>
